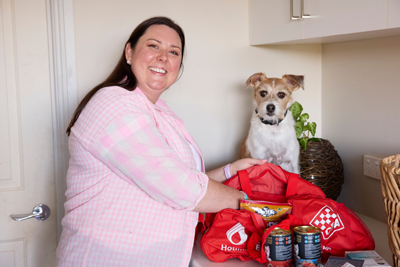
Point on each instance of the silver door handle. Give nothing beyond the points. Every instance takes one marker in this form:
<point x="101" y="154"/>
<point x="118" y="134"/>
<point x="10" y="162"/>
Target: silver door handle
<point x="41" y="212"/>
<point x="291" y="12"/>
<point x="302" y="15"/>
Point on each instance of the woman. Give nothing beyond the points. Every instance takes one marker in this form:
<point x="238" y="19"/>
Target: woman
<point x="136" y="180"/>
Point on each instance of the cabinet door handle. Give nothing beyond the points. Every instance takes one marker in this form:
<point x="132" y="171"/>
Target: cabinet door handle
<point x="291" y="12"/>
<point x="302" y="15"/>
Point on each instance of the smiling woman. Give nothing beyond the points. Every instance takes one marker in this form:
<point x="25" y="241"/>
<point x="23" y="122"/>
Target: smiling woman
<point x="136" y="178"/>
<point x="155" y="60"/>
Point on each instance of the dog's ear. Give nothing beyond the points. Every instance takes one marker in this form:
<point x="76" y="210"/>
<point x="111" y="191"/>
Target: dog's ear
<point x="294" y="81"/>
<point x="255" y="78"/>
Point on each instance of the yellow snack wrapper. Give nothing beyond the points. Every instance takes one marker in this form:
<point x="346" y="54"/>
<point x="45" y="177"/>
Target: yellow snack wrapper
<point x="271" y="212"/>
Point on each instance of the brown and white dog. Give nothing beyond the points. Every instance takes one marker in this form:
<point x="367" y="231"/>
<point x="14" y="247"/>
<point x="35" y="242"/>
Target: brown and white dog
<point x="272" y="135"/>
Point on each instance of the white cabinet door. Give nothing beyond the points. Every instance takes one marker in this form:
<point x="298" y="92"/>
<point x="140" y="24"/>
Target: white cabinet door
<point x="338" y="17"/>
<point x="393" y="14"/>
<point x="270" y="22"/>
<point x="26" y="136"/>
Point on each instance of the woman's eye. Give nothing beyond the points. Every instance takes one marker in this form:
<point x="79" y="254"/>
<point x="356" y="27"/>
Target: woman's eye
<point x="174" y="53"/>
<point x="263" y="93"/>
<point x="281" y="95"/>
<point x="154" y="46"/>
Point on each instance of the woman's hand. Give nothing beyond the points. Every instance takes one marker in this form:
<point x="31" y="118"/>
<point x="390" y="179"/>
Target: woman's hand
<point x="243" y="164"/>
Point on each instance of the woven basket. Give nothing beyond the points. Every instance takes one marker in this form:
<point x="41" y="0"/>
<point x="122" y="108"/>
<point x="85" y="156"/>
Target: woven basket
<point x="321" y="165"/>
<point x="390" y="181"/>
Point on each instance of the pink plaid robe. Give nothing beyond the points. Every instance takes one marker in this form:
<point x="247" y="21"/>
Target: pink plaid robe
<point x="132" y="185"/>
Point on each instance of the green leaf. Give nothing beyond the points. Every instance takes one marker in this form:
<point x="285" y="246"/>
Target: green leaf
<point x="313" y="127"/>
<point x="306" y="127"/>
<point x="303" y="142"/>
<point x="314" y="139"/>
<point x="296" y="110"/>
<point x="304" y="117"/>
<point x="298" y="128"/>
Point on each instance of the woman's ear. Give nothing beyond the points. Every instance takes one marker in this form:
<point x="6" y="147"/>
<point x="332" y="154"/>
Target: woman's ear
<point x="128" y="52"/>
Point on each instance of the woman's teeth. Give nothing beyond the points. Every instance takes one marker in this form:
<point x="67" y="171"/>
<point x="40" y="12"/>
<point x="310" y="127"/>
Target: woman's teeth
<point x="157" y="70"/>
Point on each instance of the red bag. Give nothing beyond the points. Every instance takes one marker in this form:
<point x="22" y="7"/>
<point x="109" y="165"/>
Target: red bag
<point x="341" y="229"/>
<point x="228" y="236"/>
<point x="268" y="182"/>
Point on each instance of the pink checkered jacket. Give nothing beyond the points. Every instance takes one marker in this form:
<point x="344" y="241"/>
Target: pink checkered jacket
<point x="132" y="185"/>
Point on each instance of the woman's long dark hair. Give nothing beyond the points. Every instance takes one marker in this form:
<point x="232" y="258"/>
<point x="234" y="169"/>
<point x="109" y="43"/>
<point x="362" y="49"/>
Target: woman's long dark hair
<point x="122" y="75"/>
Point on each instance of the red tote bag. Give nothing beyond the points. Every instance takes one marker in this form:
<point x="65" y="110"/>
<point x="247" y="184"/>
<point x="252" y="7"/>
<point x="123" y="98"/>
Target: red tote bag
<point x="341" y="229"/>
<point x="228" y="236"/>
<point x="268" y="182"/>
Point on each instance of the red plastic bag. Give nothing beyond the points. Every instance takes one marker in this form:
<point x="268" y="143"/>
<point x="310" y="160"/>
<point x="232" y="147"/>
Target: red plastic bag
<point x="228" y="236"/>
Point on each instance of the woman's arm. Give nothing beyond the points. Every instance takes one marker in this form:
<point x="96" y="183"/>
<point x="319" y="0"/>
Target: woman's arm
<point x="218" y="197"/>
<point x="241" y="164"/>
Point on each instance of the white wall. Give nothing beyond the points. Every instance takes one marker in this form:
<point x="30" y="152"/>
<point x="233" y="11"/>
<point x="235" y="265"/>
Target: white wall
<point x="210" y="96"/>
<point x="361" y="113"/>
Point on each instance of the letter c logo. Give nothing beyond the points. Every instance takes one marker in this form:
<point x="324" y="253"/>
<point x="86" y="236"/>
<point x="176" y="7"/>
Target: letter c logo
<point x="328" y="231"/>
<point x="237" y="228"/>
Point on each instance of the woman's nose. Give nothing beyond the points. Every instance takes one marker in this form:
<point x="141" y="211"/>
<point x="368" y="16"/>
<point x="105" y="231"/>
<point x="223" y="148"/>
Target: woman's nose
<point x="162" y="56"/>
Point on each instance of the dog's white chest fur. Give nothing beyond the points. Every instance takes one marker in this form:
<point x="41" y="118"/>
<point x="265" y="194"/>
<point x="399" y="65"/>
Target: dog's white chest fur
<point x="275" y="143"/>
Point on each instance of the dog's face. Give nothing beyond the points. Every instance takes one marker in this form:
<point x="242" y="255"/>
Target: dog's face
<point x="273" y="96"/>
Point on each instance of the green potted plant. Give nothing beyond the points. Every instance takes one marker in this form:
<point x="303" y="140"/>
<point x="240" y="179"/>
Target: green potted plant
<point x="302" y="127"/>
<point x="320" y="163"/>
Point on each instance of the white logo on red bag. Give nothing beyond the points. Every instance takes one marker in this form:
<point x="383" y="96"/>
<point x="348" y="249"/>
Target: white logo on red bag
<point x="328" y="221"/>
<point x="239" y="229"/>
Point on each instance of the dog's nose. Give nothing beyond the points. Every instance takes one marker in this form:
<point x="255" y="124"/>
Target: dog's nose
<point x="270" y="108"/>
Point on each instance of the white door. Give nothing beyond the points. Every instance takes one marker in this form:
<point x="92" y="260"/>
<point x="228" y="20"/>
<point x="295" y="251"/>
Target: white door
<point x="26" y="135"/>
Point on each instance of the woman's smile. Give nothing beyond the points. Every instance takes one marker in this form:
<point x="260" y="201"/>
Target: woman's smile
<point x="158" y="70"/>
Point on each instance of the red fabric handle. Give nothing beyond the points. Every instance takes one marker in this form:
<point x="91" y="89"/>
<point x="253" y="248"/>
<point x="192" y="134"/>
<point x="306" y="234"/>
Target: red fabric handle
<point x="286" y="224"/>
<point x="293" y="181"/>
<point x="256" y="239"/>
<point x="258" y="222"/>
<point x="245" y="182"/>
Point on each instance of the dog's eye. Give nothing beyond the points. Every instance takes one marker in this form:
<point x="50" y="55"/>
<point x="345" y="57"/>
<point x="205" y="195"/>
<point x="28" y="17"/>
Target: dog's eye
<point x="281" y="95"/>
<point x="263" y="93"/>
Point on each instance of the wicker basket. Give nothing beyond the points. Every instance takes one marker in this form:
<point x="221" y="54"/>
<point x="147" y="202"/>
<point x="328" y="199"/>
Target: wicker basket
<point x="390" y="181"/>
<point x="321" y="165"/>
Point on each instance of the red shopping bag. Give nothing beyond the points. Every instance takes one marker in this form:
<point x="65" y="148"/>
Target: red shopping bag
<point x="268" y="182"/>
<point x="227" y="238"/>
<point x="341" y="229"/>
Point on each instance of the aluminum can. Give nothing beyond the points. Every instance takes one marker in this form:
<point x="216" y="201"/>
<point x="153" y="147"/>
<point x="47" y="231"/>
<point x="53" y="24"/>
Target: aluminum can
<point x="307" y="246"/>
<point x="278" y="248"/>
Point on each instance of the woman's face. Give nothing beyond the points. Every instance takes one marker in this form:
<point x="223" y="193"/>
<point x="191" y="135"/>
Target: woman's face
<point x="156" y="59"/>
